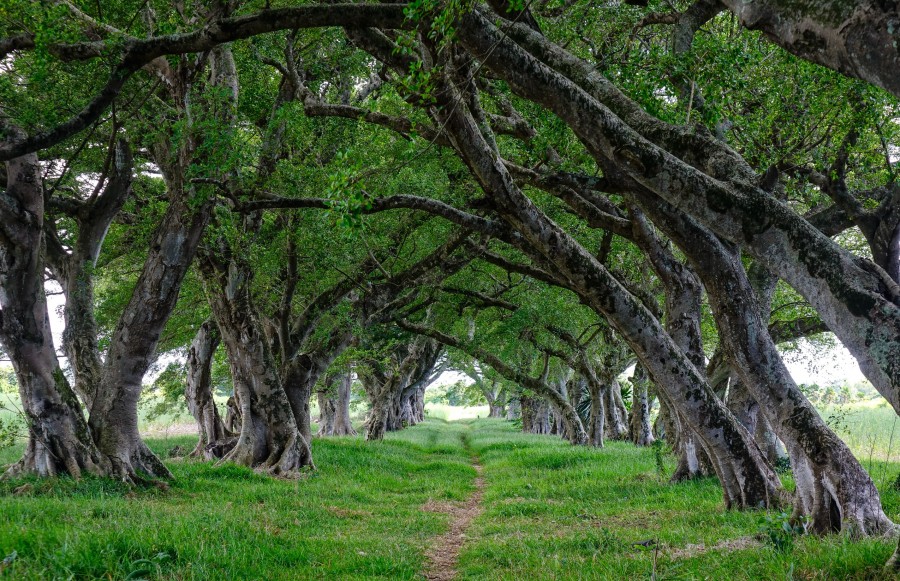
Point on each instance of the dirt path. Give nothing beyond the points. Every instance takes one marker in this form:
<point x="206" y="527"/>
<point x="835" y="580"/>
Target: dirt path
<point x="443" y="555"/>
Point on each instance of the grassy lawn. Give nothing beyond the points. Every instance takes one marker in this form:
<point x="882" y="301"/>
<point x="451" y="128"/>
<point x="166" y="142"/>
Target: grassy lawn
<point x="550" y="512"/>
<point x="556" y="512"/>
<point x="359" y="516"/>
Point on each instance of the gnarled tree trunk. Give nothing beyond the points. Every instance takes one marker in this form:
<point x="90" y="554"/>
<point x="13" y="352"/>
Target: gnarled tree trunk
<point x="269" y="439"/>
<point x="379" y="408"/>
<point x="114" y="417"/>
<point x="343" y="426"/>
<point x="535" y="415"/>
<point x="335" y="405"/>
<point x="327" y="412"/>
<point x="597" y="417"/>
<point x="59" y="441"/>
<point x="640" y="432"/>
<point x="832" y="487"/>
<point x="198" y="389"/>
<point x="615" y="410"/>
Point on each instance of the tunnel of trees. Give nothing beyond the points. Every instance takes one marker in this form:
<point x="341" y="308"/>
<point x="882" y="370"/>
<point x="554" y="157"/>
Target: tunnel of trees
<point x="537" y="195"/>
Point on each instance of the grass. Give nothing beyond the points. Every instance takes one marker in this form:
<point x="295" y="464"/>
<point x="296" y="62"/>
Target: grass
<point x="551" y="511"/>
<point x="357" y="517"/>
<point x="557" y="512"/>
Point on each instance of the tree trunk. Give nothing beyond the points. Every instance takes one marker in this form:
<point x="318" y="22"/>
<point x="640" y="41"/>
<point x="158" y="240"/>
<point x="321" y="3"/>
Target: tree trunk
<point x="59" y="441"/>
<point x="535" y="415"/>
<point x="615" y="411"/>
<point x="302" y="371"/>
<point x="832" y="487"/>
<point x="233" y="415"/>
<point x="768" y="441"/>
<point x="514" y="409"/>
<point x="335" y="406"/>
<point x="395" y="412"/>
<point x="378" y="392"/>
<point x="269" y="439"/>
<point x="597" y="419"/>
<point x="198" y="389"/>
<point x="114" y="415"/>
<point x="557" y="419"/>
<point x="327" y="414"/>
<point x="376" y="423"/>
<point x="419" y="405"/>
<point x="640" y="431"/>
<point x="298" y="386"/>
<point x="342" y="424"/>
<point x="693" y="460"/>
<point x="407" y="415"/>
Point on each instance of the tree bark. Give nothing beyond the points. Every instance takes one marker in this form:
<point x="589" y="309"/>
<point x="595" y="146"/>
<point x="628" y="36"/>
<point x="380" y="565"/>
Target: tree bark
<point x="597" y="417"/>
<point x="269" y="438"/>
<point x="114" y="418"/>
<point x="832" y="487"/>
<point x="59" y="441"/>
<point x="198" y="389"/>
<point x="557" y="419"/>
<point x="233" y="415"/>
<point x="379" y="407"/>
<point x="858" y="39"/>
<point x="336" y="407"/>
<point x="514" y="409"/>
<point x="298" y="386"/>
<point x="615" y="410"/>
<point x="419" y="406"/>
<point x="327" y="412"/>
<point x="640" y="432"/>
<point x="535" y="415"/>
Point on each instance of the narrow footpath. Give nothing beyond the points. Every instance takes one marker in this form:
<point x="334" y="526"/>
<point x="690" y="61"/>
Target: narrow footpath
<point x="443" y="555"/>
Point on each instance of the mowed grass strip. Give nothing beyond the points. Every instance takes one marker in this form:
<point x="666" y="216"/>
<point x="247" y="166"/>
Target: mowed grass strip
<point x="557" y="512"/>
<point x="357" y="517"/>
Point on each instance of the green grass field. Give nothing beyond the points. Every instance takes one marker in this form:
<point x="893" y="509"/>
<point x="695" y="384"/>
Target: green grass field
<point x="551" y="511"/>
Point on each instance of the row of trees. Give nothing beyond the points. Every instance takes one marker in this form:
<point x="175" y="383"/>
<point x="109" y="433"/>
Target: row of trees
<point x="551" y="192"/>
